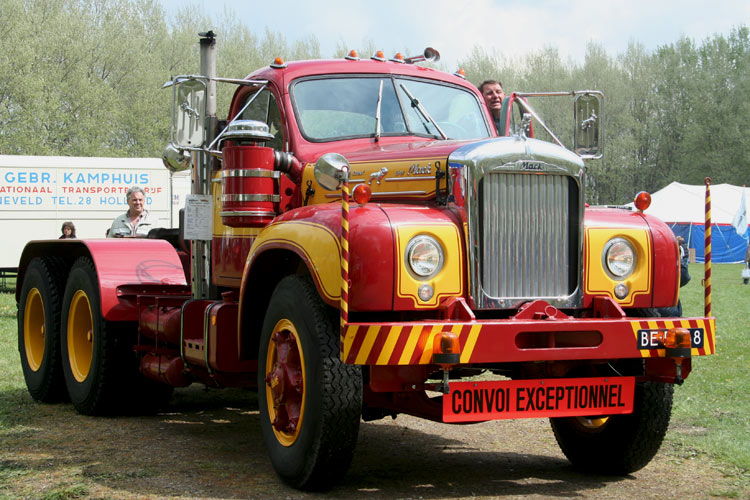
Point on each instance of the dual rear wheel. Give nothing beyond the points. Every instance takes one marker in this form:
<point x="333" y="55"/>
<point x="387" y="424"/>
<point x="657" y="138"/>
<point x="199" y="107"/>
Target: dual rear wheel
<point x="68" y="349"/>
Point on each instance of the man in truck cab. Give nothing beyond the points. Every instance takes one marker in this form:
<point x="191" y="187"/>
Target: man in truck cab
<point x="493" y="94"/>
<point x="137" y="221"/>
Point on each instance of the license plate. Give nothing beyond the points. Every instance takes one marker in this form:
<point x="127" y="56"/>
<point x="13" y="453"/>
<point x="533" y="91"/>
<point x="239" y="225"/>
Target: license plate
<point x="653" y="338"/>
<point x="571" y="397"/>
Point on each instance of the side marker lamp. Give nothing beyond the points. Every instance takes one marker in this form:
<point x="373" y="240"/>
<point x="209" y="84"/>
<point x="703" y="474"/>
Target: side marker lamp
<point x="352" y="55"/>
<point x="460" y="73"/>
<point x="362" y="193"/>
<point x="642" y="201"/>
<point x="379" y="56"/>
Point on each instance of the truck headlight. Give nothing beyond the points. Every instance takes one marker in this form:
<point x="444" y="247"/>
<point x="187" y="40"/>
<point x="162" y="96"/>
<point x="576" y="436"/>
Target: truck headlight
<point x="619" y="258"/>
<point x="424" y="255"/>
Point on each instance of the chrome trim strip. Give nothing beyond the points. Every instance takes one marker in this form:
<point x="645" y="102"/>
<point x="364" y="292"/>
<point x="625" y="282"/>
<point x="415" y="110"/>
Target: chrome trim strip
<point x="420" y="178"/>
<point x="251" y="172"/>
<point x="250" y="197"/>
<point x="248" y="213"/>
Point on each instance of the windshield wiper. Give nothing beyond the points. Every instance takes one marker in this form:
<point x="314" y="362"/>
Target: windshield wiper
<point x="422" y="111"/>
<point x="377" y="112"/>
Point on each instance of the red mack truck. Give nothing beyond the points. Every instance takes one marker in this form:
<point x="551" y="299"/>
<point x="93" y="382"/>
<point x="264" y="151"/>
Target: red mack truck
<point x="360" y="242"/>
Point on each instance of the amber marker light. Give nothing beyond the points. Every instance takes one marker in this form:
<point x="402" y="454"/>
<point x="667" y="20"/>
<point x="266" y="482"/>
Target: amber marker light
<point x="677" y="337"/>
<point x="352" y="55"/>
<point x="362" y="193"/>
<point x="278" y="63"/>
<point x="399" y="58"/>
<point x="446" y="349"/>
<point x="642" y="201"/>
<point x="379" y="56"/>
<point x="460" y="73"/>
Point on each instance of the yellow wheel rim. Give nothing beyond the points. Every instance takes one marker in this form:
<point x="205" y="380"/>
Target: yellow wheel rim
<point x="592" y="422"/>
<point x="80" y="336"/>
<point x="285" y="382"/>
<point x="33" y="329"/>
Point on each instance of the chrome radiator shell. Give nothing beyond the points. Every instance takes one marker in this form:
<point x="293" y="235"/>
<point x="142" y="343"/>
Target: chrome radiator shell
<point x="523" y="206"/>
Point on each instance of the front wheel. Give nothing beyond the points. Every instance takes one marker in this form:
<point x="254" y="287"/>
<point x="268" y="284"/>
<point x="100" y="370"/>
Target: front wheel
<point x="618" y="444"/>
<point x="310" y="402"/>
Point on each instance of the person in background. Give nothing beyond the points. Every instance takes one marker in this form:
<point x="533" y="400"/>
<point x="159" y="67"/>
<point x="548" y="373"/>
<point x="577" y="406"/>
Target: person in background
<point x="137" y="221"/>
<point x="493" y="94"/>
<point x="684" y="259"/>
<point x="68" y="231"/>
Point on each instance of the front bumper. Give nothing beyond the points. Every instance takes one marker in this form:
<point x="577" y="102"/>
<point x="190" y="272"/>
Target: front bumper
<point x="538" y="332"/>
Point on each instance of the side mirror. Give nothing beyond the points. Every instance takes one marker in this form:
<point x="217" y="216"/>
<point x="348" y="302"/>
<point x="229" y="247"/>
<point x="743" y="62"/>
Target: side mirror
<point x="189" y="113"/>
<point x="588" y="132"/>
<point x="331" y="170"/>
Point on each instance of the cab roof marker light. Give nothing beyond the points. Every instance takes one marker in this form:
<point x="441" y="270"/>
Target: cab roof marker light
<point x="352" y="55"/>
<point x="398" y="58"/>
<point x="278" y="63"/>
<point x="378" y="56"/>
<point x="460" y="73"/>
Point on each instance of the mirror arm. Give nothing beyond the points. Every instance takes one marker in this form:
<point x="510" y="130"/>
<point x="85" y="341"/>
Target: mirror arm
<point x="264" y="84"/>
<point x="530" y="111"/>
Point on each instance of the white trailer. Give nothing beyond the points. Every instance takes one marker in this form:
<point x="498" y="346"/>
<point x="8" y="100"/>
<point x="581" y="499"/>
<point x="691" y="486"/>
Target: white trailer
<point x="39" y="193"/>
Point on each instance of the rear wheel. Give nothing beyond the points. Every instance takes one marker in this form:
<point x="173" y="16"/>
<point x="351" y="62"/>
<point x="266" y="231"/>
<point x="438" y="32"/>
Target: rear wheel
<point x="310" y="402"/>
<point x="39" y="330"/>
<point x="98" y="361"/>
<point x="618" y="444"/>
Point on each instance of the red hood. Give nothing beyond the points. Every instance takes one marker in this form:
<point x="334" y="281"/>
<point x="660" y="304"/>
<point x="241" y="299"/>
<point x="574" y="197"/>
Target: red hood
<point x="388" y="148"/>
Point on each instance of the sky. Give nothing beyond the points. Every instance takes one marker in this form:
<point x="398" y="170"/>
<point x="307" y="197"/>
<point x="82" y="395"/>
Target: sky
<point x="507" y="28"/>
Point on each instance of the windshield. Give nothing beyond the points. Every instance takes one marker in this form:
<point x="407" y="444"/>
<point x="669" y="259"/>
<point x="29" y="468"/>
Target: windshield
<point x="344" y="108"/>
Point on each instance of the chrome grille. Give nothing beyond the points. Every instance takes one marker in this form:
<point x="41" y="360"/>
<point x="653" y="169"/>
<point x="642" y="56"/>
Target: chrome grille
<point x="525" y="235"/>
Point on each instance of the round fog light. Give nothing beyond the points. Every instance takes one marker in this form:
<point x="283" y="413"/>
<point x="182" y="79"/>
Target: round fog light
<point x="425" y="292"/>
<point x="621" y="291"/>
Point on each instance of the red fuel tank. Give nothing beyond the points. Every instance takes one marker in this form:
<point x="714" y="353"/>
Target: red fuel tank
<point x="248" y="186"/>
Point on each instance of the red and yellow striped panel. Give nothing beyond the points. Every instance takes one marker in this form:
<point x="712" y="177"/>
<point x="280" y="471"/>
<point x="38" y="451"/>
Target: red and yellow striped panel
<point x="709" y="332"/>
<point x="403" y="344"/>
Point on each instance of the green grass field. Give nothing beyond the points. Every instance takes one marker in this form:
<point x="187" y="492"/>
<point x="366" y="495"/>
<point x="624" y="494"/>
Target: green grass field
<point x="715" y="399"/>
<point x="712" y="409"/>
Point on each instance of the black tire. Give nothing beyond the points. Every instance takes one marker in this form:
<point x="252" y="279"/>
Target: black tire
<point x="315" y="451"/>
<point x="745" y="280"/>
<point x="39" y="329"/>
<point x="618" y="444"/>
<point x="95" y="357"/>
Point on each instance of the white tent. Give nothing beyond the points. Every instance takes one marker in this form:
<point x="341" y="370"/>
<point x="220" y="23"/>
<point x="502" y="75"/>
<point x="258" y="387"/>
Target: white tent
<point x="686" y="203"/>
<point x="683" y="208"/>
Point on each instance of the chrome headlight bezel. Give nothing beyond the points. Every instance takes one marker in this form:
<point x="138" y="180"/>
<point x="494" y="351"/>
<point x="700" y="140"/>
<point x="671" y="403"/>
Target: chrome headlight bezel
<point x="424" y="257"/>
<point x="619" y="258"/>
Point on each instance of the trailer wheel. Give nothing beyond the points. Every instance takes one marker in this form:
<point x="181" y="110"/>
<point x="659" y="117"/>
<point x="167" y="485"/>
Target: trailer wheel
<point x="310" y="402"/>
<point x="618" y="444"/>
<point x="91" y="361"/>
<point x="39" y="330"/>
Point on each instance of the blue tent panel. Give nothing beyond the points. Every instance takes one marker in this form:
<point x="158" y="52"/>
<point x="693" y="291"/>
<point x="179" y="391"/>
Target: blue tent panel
<point x="726" y="245"/>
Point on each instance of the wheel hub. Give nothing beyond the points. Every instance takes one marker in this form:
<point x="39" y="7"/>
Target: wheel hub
<point x="285" y="382"/>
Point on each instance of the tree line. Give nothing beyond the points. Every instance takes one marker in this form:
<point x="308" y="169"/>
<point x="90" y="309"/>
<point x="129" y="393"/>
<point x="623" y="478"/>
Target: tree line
<point x="83" y="78"/>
